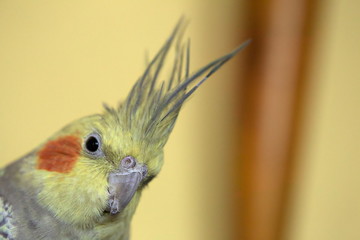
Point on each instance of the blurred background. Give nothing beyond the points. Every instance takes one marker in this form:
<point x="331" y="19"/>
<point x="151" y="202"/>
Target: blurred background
<point x="267" y="149"/>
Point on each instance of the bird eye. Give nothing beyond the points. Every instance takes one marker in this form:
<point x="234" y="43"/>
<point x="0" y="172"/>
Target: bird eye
<point x="93" y="144"/>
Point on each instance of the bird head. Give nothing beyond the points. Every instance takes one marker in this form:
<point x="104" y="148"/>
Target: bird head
<point x="99" y="164"/>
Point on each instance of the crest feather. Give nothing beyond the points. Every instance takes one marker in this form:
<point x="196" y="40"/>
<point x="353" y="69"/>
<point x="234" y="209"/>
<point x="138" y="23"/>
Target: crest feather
<point x="151" y="108"/>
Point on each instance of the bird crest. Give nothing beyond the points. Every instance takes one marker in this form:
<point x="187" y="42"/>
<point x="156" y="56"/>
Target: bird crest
<point x="152" y="107"/>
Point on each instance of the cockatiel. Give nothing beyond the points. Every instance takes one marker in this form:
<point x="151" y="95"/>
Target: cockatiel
<point x="85" y="181"/>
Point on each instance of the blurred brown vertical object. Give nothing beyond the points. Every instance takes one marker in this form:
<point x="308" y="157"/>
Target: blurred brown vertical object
<point x="271" y="106"/>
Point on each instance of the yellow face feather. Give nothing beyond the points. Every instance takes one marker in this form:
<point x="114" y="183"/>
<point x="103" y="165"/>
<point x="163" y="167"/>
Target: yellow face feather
<point x="66" y="192"/>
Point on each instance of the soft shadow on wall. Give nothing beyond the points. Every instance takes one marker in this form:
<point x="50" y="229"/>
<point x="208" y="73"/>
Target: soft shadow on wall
<point x="299" y="153"/>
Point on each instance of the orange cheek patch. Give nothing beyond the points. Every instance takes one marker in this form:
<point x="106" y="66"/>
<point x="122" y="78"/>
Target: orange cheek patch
<point x="59" y="155"/>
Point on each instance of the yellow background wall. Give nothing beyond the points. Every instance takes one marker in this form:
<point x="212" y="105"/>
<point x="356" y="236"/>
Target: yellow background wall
<point x="327" y="197"/>
<point x="59" y="60"/>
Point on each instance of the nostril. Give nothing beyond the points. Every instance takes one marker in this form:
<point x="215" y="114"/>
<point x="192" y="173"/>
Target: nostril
<point x="128" y="162"/>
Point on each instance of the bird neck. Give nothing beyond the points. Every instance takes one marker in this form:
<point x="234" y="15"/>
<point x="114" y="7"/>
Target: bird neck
<point x="117" y="226"/>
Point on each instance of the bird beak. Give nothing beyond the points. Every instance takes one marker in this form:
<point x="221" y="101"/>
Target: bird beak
<point x="124" y="182"/>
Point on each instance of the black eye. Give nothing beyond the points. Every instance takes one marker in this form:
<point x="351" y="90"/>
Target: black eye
<point x="92" y="144"/>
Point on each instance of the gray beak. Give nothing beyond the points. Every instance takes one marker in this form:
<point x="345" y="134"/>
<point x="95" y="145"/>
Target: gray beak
<point x="124" y="182"/>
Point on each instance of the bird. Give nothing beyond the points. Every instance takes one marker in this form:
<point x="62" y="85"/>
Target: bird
<point x="85" y="181"/>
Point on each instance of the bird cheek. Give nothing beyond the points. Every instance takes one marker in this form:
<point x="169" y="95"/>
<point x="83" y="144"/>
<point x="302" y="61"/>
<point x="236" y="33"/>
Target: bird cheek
<point x="59" y="155"/>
